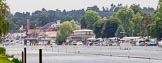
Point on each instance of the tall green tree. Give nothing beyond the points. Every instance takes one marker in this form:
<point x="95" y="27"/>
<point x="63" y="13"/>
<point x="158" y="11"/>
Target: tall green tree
<point x="145" y="24"/>
<point x="156" y="29"/>
<point x="98" y="27"/>
<point x="65" y="30"/>
<point x="4" y="24"/>
<point x="110" y="27"/>
<point x="137" y="19"/>
<point x="90" y="18"/>
<point x="156" y="26"/>
<point x="125" y="15"/>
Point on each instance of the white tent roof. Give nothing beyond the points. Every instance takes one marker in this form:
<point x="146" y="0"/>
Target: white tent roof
<point x="86" y="30"/>
<point x="91" y="39"/>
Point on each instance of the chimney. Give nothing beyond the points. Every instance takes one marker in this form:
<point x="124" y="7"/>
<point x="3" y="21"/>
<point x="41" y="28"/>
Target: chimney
<point x="28" y="24"/>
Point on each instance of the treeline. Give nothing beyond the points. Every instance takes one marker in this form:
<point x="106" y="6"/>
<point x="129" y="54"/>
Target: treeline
<point x="42" y="17"/>
<point x="127" y="21"/>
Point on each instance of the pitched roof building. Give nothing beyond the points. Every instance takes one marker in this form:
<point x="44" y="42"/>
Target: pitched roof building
<point x="81" y="35"/>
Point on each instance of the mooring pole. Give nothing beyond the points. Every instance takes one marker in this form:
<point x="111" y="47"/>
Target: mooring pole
<point x="40" y="55"/>
<point x="24" y="55"/>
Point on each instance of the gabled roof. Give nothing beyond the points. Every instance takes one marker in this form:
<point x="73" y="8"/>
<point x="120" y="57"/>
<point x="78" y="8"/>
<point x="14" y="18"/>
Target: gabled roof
<point x="50" y="33"/>
<point x="34" y="31"/>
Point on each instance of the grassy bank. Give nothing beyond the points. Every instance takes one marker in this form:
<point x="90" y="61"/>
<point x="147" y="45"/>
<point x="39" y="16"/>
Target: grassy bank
<point x="4" y="59"/>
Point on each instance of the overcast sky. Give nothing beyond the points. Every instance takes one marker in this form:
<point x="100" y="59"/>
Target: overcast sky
<point x="32" y="5"/>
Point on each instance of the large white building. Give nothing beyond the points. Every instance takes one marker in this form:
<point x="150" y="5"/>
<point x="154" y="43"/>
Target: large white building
<point x="81" y="35"/>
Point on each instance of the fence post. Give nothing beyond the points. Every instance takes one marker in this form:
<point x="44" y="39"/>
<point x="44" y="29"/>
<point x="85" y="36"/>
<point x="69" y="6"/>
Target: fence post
<point x="22" y="60"/>
<point x="24" y="55"/>
<point x="40" y="55"/>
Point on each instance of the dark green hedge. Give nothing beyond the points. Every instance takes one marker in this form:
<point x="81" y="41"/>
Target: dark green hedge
<point x="16" y="60"/>
<point x="2" y="50"/>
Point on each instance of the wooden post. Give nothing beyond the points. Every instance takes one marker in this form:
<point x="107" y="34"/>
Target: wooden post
<point x="40" y="55"/>
<point x="24" y="55"/>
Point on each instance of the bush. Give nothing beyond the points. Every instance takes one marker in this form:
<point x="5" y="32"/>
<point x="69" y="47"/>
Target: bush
<point x="15" y="60"/>
<point x="2" y="50"/>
